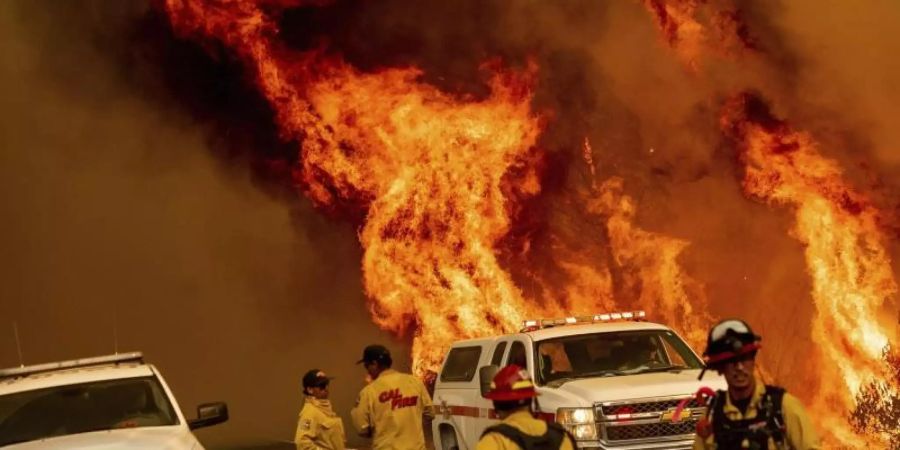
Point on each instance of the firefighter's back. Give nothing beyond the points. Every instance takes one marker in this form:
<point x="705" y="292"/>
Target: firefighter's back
<point x="395" y="403"/>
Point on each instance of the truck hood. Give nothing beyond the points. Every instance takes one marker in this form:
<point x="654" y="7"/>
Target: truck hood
<point x="147" y="438"/>
<point x="630" y="387"/>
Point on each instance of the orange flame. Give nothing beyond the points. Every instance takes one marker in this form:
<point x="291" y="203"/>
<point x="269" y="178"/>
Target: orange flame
<point x="695" y="29"/>
<point x="437" y="174"/>
<point x="650" y="260"/>
<point x="845" y="253"/>
<point x="440" y="178"/>
<point x="438" y="171"/>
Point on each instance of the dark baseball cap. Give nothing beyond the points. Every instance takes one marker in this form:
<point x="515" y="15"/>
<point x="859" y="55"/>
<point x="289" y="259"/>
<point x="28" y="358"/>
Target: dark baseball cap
<point x="315" y="378"/>
<point x="374" y="353"/>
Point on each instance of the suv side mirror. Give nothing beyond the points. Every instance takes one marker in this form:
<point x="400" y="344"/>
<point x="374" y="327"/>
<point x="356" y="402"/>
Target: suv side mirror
<point x="209" y="414"/>
<point x="485" y="376"/>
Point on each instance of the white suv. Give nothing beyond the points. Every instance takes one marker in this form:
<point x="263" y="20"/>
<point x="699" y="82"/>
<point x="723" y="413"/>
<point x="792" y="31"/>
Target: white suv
<point x="613" y="380"/>
<point x="113" y="401"/>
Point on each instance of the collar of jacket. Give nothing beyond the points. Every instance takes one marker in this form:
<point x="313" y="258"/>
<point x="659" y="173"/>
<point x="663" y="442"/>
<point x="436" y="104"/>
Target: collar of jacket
<point x="384" y="372"/>
<point x="323" y="405"/>
<point x="733" y="413"/>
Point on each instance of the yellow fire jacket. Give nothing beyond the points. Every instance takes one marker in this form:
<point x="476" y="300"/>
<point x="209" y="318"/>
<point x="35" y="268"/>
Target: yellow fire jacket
<point x="524" y="422"/>
<point x="390" y="410"/>
<point x="319" y="427"/>
<point x="799" y="431"/>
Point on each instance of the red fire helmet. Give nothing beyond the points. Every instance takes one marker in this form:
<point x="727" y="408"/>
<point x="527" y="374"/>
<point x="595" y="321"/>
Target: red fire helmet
<point x="511" y="383"/>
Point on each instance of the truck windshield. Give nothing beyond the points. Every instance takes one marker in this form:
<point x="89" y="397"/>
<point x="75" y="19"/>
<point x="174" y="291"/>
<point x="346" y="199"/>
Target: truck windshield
<point x="80" y="408"/>
<point x="612" y="354"/>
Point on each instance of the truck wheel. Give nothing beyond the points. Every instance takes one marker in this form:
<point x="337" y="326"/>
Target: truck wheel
<point x="448" y="437"/>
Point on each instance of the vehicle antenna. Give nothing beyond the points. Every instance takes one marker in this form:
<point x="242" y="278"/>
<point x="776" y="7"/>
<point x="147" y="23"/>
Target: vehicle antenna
<point x="18" y="344"/>
<point x="116" y="332"/>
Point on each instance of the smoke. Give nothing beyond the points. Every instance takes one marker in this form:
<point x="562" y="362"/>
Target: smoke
<point x="846" y="66"/>
<point x="124" y="221"/>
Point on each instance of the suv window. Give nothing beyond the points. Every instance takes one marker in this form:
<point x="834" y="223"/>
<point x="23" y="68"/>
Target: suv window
<point x="673" y="354"/>
<point x="498" y="354"/>
<point x="517" y="355"/>
<point x="79" y="408"/>
<point x="461" y="364"/>
<point x="612" y="354"/>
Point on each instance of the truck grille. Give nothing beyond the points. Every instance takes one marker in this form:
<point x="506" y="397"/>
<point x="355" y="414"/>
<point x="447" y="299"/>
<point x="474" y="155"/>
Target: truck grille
<point x="647" y="420"/>
<point x="645" y="407"/>
<point x="650" y="430"/>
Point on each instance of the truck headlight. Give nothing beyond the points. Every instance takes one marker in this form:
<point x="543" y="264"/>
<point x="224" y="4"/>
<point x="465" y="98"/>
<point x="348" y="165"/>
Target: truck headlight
<point x="579" y="421"/>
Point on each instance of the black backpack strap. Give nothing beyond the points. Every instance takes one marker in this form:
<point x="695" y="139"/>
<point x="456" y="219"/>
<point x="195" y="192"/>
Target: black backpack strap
<point x="551" y="440"/>
<point x="775" y="415"/>
<point x="556" y="434"/>
<point x="717" y="408"/>
<point x="729" y="433"/>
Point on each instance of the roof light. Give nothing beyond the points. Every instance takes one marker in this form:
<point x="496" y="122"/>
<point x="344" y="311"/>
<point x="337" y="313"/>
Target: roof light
<point x="84" y="362"/>
<point x="532" y="325"/>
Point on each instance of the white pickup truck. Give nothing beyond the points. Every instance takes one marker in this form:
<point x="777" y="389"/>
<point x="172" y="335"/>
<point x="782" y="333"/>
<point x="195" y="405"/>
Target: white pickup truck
<point x="114" y="401"/>
<point x="613" y="380"/>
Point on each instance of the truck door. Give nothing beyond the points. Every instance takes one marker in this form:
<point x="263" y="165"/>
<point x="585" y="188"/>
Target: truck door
<point x="476" y="423"/>
<point x="515" y="352"/>
<point x="457" y="393"/>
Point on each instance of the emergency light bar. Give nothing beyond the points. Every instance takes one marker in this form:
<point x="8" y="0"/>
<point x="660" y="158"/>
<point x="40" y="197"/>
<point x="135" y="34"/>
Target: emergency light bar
<point x="530" y="325"/>
<point x="119" y="358"/>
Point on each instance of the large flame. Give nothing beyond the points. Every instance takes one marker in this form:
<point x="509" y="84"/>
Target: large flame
<point x="439" y="178"/>
<point x="844" y="247"/>
<point x="438" y="175"/>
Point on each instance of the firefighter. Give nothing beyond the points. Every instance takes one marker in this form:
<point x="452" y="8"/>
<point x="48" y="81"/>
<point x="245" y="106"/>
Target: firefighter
<point x="513" y="394"/>
<point x="391" y="407"/>
<point x="750" y="414"/>
<point x="319" y="427"/>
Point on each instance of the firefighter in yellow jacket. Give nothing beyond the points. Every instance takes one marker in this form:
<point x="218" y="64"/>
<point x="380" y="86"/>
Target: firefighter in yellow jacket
<point x="512" y="393"/>
<point x="319" y="427"/>
<point x="750" y="414"/>
<point x="391" y="408"/>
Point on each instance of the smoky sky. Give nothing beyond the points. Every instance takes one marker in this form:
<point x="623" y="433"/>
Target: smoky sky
<point x="125" y="222"/>
<point x="145" y="182"/>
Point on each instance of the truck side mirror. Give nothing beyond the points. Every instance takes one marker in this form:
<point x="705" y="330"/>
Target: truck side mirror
<point x="209" y="414"/>
<point x="485" y="376"/>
